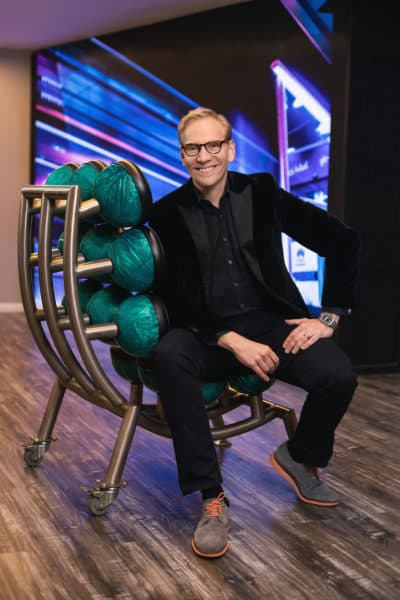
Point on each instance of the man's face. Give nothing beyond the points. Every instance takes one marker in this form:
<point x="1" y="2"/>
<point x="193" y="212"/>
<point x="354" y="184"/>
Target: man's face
<point x="208" y="171"/>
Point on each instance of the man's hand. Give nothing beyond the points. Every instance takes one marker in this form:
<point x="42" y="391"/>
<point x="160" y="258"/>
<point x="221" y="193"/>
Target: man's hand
<point x="307" y="332"/>
<point x="260" y="358"/>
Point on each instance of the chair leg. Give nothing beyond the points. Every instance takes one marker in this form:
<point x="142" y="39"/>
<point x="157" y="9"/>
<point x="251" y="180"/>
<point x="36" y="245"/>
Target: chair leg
<point x="218" y="422"/>
<point x="36" y="447"/>
<point x="101" y="497"/>
<point x="288" y="416"/>
<point x="290" y="422"/>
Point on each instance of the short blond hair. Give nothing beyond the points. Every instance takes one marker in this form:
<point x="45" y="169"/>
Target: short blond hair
<point x="203" y="113"/>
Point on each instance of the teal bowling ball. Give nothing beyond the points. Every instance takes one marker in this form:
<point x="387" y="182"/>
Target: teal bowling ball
<point x="95" y="245"/>
<point x="138" y="259"/>
<point x="147" y="377"/>
<point x="82" y="229"/>
<point x="60" y="243"/>
<point x="211" y="390"/>
<point x="103" y="305"/>
<point x="96" y="242"/>
<point x="142" y="320"/>
<point x="62" y="175"/>
<point x="124" y="195"/>
<point x="86" y="289"/>
<point x="125" y="365"/>
<point x="86" y="176"/>
<point x="249" y="383"/>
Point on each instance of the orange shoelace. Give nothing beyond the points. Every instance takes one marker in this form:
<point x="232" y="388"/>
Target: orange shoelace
<point x="215" y="507"/>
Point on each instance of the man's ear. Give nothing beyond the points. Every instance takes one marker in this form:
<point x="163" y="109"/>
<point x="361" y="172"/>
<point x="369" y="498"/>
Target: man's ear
<point x="182" y="157"/>
<point x="231" y="151"/>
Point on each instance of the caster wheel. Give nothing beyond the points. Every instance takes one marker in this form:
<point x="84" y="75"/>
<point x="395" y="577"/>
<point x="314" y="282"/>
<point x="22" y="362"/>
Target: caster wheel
<point x="97" y="506"/>
<point x="32" y="456"/>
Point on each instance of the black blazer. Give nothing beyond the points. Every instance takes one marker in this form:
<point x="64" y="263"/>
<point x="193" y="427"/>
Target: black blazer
<point x="261" y="212"/>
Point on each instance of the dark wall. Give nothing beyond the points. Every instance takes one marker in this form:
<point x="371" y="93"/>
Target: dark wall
<point x="365" y="172"/>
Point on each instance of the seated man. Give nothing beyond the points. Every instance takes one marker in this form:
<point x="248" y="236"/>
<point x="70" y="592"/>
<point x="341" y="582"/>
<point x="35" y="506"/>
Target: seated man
<point x="233" y="304"/>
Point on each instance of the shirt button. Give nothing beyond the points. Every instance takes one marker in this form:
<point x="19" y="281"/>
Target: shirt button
<point x="224" y="239"/>
<point x="235" y="284"/>
<point x="242" y="306"/>
<point x="230" y="262"/>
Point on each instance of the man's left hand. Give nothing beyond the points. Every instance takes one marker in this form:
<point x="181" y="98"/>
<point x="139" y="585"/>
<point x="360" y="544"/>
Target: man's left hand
<point x="307" y="332"/>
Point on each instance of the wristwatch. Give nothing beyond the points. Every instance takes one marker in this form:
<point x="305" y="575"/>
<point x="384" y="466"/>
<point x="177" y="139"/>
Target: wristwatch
<point x="328" y="319"/>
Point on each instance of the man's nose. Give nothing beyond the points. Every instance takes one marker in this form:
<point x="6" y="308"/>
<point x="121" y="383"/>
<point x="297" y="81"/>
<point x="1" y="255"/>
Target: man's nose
<point x="203" y="154"/>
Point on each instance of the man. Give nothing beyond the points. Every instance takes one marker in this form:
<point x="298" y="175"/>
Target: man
<point x="233" y="305"/>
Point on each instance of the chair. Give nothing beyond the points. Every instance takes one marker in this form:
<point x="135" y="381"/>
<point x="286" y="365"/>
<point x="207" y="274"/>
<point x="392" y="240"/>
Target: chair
<point x="110" y="262"/>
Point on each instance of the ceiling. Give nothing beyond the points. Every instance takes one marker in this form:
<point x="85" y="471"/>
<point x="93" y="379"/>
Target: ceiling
<point x="27" y="25"/>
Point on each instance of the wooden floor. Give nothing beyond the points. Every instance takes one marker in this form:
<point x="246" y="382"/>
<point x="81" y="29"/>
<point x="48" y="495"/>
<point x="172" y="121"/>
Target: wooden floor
<point x="51" y="548"/>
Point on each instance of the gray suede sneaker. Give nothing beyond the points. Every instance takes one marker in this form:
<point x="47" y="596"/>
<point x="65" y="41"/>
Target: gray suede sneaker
<point x="210" y="539"/>
<point x="303" y="478"/>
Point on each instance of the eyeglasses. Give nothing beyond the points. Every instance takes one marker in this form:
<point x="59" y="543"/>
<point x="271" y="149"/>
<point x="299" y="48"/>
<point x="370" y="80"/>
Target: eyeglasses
<point x="212" y="147"/>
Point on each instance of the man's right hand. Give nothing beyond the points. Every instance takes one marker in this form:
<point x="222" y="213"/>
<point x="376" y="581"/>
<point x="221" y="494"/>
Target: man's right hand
<point x="260" y="358"/>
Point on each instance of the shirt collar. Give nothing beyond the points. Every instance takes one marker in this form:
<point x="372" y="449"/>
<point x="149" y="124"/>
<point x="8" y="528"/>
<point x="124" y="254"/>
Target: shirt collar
<point x="203" y="202"/>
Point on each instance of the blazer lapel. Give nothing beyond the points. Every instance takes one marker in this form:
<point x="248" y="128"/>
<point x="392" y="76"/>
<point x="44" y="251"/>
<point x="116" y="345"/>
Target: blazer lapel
<point x="195" y="222"/>
<point x="242" y="211"/>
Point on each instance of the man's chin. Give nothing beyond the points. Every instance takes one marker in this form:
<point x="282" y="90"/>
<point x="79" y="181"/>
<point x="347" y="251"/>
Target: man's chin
<point x="204" y="184"/>
<point x="207" y="181"/>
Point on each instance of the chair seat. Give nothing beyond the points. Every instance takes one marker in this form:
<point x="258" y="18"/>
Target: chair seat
<point x="137" y="372"/>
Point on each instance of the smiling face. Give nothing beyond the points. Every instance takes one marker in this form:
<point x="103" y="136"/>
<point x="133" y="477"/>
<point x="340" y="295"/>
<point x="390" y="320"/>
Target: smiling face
<point x="208" y="171"/>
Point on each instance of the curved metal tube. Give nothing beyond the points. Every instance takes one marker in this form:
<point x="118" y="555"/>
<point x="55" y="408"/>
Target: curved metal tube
<point x="260" y="415"/>
<point x="47" y="293"/>
<point x="26" y="284"/>
<point x="72" y="297"/>
<point x="154" y="425"/>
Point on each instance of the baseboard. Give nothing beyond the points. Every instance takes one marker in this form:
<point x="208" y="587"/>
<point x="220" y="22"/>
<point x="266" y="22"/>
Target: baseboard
<point x="11" y="307"/>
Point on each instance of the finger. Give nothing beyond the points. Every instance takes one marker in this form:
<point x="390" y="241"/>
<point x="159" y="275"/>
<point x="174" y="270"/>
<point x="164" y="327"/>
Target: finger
<point x="295" y="332"/>
<point x="298" y="341"/>
<point x="294" y="321"/>
<point x="309" y="342"/>
<point x="262" y="374"/>
<point x="272" y="366"/>
<point x="268" y="361"/>
<point x="290" y="341"/>
<point x="272" y="359"/>
<point x="297" y="346"/>
<point x="287" y="341"/>
<point x="264" y="365"/>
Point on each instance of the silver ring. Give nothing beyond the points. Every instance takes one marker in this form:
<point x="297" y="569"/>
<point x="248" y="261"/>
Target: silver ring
<point x="307" y="335"/>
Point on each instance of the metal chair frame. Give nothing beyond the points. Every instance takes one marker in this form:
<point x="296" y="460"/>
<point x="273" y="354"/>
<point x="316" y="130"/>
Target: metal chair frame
<point x="81" y="371"/>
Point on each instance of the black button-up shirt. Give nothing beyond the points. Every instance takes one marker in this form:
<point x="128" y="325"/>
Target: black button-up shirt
<point x="230" y="287"/>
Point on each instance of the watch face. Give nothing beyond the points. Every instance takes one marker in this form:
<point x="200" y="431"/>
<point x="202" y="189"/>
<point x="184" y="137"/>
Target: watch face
<point x="328" y="320"/>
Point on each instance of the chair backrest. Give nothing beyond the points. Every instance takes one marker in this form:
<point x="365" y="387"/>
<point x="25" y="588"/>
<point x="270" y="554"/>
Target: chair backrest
<point x="110" y="262"/>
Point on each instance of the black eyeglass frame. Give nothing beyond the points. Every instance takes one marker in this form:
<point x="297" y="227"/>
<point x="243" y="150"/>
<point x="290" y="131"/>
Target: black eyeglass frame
<point x="200" y="146"/>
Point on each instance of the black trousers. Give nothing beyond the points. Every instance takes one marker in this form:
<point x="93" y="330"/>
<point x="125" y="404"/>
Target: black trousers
<point x="182" y="361"/>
